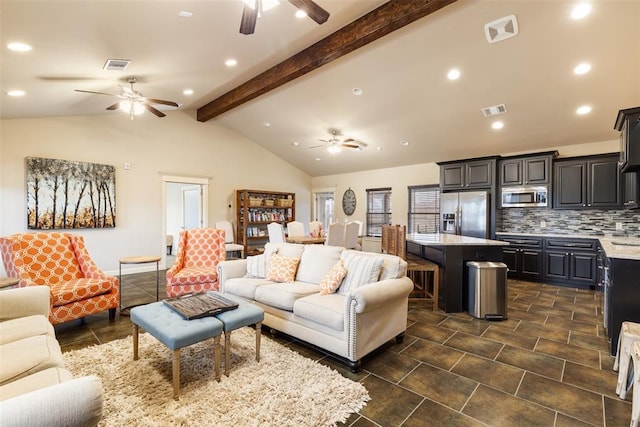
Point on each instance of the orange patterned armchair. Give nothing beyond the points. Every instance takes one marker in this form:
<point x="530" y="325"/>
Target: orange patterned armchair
<point x="61" y="262"/>
<point x="195" y="267"/>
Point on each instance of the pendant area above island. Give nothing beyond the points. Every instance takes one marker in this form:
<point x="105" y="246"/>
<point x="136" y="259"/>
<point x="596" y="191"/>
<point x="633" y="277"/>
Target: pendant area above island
<point x="451" y="252"/>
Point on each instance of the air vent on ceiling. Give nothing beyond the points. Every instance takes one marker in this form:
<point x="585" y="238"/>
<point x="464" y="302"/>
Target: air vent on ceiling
<point x="501" y="29"/>
<point x="116" y="64"/>
<point x="495" y="110"/>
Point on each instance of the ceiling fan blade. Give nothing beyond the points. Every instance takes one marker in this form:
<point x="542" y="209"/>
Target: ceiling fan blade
<point x="161" y="101"/>
<point x="351" y="145"/>
<point x="97" y="93"/>
<point x="317" y="146"/>
<point x="153" y="110"/>
<point x="249" y="17"/>
<point x="312" y="10"/>
<point x="114" y="106"/>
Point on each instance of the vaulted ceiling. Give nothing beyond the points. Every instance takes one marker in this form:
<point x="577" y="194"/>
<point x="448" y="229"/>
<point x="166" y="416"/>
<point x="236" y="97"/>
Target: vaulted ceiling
<point x="408" y="112"/>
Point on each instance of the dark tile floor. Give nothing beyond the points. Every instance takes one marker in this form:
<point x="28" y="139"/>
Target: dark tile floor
<point x="547" y="365"/>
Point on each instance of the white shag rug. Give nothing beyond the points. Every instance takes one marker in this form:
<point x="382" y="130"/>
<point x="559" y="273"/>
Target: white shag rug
<point x="283" y="389"/>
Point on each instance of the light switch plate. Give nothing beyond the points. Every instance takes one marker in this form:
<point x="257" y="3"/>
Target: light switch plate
<point x="618" y="226"/>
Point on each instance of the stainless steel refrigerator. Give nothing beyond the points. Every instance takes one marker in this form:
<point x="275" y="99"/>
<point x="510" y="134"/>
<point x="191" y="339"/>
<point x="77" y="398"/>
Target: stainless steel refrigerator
<point x="465" y="213"/>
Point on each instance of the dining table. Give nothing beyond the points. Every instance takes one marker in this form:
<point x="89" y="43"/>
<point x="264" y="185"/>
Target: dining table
<point x="306" y="240"/>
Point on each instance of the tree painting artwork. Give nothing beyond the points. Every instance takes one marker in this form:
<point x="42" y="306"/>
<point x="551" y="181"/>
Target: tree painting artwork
<point x="66" y="194"/>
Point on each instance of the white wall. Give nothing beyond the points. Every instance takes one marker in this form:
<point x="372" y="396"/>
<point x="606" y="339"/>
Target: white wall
<point x="422" y="174"/>
<point x="174" y="145"/>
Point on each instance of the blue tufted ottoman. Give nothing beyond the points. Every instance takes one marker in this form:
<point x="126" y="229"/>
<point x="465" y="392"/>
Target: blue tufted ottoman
<point x="172" y="330"/>
<point x="246" y="314"/>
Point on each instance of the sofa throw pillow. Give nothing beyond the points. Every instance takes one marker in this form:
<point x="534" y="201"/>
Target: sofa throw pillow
<point x="256" y="266"/>
<point x="282" y="268"/>
<point x="333" y="278"/>
<point x="361" y="270"/>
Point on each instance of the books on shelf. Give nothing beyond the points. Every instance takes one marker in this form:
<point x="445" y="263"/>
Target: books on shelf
<point x="195" y="306"/>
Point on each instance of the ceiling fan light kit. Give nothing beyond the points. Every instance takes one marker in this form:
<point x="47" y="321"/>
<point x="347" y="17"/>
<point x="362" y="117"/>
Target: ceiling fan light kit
<point x="253" y="8"/>
<point x="133" y="102"/>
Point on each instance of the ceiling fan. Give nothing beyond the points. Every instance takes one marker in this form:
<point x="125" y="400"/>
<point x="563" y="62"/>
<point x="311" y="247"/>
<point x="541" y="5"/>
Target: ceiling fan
<point x="334" y="145"/>
<point x="133" y="101"/>
<point x="252" y="9"/>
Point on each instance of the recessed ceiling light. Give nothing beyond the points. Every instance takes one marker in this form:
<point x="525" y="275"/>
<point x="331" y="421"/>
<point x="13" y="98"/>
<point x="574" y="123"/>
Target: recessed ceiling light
<point x="404" y="142"/>
<point x="453" y="74"/>
<point x="19" y="47"/>
<point x="230" y="62"/>
<point x="357" y="91"/>
<point x="16" y="93"/>
<point x="379" y="148"/>
<point x="497" y="125"/>
<point x="301" y="14"/>
<point x="187" y="92"/>
<point x="295" y="143"/>
<point x="185" y="14"/>
<point x="583" y="68"/>
<point x="317" y="159"/>
<point x="580" y="10"/>
<point x="584" y="109"/>
<point x="266" y="123"/>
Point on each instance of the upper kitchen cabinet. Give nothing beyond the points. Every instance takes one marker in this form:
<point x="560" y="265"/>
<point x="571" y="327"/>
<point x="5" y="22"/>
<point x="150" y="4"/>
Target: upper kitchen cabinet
<point x="631" y="194"/>
<point x="587" y="182"/>
<point x="479" y="173"/>
<point x="628" y="123"/>
<point x="527" y="170"/>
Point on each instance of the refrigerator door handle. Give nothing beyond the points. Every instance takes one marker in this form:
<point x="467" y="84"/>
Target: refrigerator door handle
<point x="459" y="220"/>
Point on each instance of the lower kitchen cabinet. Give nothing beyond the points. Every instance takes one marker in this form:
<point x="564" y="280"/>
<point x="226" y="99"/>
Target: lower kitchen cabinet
<point x="523" y="257"/>
<point x="560" y="261"/>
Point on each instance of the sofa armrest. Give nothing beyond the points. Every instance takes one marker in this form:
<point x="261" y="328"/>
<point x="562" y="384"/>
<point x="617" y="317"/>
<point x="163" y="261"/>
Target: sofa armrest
<point x="72" y="403"/>
<point x="374" y="295"/>
<point x="231" y="269"/>
<point x="21" y="302"/>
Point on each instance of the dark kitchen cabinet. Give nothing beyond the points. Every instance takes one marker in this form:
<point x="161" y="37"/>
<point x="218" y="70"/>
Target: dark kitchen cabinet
<point x="587" y="182"/>
<point x="631" y="193"/>
<point x="621" y="297"/>
<point x="628" y="123"/>
<point x="534" y="170"/>
<point x="523" y="257"/>
<point x="468" y="174"/>
<point x="574" y="261"/>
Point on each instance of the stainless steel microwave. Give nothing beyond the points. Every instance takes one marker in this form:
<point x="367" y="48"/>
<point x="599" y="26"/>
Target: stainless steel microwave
<point x="522" y="197"/>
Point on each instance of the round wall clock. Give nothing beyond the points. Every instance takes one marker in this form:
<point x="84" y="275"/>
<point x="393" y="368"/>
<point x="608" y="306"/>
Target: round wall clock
<point x="349" y="202"/>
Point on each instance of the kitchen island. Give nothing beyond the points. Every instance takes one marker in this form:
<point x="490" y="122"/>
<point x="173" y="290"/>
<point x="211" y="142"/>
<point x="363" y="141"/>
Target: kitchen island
<point x="451" y="252"/>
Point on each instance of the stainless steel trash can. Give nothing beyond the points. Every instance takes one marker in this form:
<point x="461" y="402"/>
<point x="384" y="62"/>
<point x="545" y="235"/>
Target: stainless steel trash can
<point x="487" y="290"/>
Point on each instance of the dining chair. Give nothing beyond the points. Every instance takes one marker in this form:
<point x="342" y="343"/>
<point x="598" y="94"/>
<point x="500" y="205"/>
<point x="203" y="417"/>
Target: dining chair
<point x="351" y="235"/>
<point x="295" y="228"/>
<point x="276" y="233"/>
<point x="336" y="234"/>
<point x="229" y="240"/>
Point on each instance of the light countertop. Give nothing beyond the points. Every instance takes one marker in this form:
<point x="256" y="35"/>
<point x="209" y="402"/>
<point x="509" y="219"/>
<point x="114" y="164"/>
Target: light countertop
<point x="443" y="239"/>
<point x="614" y="247"/>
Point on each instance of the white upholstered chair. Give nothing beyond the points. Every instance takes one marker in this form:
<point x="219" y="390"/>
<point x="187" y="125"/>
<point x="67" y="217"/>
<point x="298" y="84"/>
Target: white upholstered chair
<point x="351" y="235"/>
<point x="336" y="234"/>
<point x="229" y="240"/>
<point x="295" y="228"/>
<point x="276" y="232"/>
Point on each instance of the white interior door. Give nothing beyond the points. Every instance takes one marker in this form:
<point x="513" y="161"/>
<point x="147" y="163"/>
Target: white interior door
<point x="191" y="207"/>
<point x="324" y="204"/>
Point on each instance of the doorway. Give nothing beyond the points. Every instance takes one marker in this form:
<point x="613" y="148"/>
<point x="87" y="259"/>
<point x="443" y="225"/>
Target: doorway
<point x="184" y="206"/>
<point x="324" y="207"/>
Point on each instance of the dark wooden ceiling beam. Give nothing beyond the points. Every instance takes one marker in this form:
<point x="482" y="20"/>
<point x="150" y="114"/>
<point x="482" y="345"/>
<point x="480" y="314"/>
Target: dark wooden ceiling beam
<point x="381" y="21"/>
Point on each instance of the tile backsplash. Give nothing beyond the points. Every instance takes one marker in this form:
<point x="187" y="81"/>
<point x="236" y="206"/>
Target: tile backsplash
<point x="595" y="222"/>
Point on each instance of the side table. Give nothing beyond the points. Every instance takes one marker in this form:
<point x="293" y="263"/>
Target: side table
<point x="8" y="282"/>
<point x="137" y="260"/>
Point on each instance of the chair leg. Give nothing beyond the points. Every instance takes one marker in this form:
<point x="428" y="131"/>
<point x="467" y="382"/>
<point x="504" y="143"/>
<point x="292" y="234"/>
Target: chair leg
<point x="112" y="314"/>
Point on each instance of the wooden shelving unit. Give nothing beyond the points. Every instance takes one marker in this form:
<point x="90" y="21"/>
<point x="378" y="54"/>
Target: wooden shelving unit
<point x="255" y="210"/>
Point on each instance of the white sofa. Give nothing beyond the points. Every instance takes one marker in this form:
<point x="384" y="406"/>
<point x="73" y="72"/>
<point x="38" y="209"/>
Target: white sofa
<point x="35" y="387"/>
<point x="349" y="323"/>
